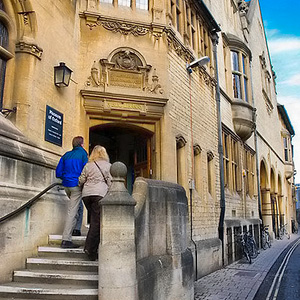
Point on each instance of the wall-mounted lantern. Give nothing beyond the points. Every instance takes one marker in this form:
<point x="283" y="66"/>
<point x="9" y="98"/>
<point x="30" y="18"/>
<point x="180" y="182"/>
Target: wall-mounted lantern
<point x="62" y="75"/>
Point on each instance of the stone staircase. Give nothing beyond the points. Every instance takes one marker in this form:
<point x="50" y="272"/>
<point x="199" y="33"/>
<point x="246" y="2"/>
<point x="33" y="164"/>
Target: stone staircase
<point x="55" y="273"/>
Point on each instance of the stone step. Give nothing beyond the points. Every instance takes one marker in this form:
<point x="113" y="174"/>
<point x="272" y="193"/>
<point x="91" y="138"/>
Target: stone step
<point x="38" y="263"/>
<point x="48" y="251"/>
<point x="56" y="277"/>
<point x="16" y="290"/>
<point x="55" y="239"/>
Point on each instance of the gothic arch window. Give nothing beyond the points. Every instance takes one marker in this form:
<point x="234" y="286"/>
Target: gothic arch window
<point x="180" y="156"/>
<point x="4" y="53"/>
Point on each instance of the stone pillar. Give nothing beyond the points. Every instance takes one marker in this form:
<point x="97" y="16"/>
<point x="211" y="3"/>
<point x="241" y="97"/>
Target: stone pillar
<point x="267" y="210"/>
<point x="117" y="249"/>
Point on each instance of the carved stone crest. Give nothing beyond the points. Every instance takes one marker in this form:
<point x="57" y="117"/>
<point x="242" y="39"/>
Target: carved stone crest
<point x="127" y="68"/>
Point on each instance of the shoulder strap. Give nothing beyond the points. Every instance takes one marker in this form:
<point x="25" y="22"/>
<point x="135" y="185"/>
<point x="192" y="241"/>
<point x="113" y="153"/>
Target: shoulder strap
<point x="101" y="173"/>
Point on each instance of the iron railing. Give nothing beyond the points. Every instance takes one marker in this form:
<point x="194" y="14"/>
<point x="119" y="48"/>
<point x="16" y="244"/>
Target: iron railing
<point x="29" y="202"/>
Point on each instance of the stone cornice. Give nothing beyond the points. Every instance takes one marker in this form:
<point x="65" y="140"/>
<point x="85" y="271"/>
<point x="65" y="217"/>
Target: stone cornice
<point x="122" y="26"/>
<point x="33" y="49"/>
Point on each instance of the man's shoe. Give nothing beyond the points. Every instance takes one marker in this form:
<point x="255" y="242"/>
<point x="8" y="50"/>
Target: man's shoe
<point x="68" y="244"/>
<point x="76" y="232"/>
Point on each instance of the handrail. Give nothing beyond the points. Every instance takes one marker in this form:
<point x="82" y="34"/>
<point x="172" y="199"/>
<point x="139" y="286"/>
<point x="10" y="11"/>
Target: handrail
<point x="29" y="202"/>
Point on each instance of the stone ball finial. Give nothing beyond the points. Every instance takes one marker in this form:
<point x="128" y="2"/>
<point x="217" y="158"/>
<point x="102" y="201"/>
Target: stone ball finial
<point x="118" y="169"/>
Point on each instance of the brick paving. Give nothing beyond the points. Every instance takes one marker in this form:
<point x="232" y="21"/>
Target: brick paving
<point x="240" y="280"/>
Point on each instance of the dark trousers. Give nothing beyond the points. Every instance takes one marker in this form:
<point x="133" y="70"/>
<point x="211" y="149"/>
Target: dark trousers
<point x="93" y="236"/>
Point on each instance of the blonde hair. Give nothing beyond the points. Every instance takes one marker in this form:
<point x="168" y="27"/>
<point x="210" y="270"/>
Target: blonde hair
<point x="99" y="152"/>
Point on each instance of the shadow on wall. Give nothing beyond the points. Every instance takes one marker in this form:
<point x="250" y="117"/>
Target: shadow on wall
<point x="164" y="261"/>
<point x="25" y="171"/>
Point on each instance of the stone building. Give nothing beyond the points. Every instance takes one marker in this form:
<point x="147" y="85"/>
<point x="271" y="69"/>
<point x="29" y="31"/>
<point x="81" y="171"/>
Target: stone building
<point x="215" y="129"/>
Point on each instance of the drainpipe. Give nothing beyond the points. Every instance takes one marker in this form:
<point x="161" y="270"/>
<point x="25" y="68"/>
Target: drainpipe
<point x="256" y="149"/>
<point x="215" y="40"/>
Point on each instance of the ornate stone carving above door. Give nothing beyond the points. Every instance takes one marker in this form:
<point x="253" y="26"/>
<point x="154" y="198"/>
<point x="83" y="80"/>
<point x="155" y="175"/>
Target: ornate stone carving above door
<point x="125" y="68"/>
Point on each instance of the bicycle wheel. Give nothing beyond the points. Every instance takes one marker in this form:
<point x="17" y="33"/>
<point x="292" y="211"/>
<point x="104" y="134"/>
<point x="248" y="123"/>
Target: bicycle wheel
<point x="253" y="249"/>
<point x="268" y="240"/>
<point x="247" y="254"/>
<point x="264" y="241"/>
<point x="280" y="234"/>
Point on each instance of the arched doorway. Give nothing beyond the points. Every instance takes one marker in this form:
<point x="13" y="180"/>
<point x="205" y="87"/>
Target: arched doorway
<point x="265" y="196"/>
<point x="126" y="143"/>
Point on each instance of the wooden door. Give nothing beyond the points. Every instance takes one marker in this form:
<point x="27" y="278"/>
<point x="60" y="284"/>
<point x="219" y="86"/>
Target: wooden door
<point x="142" y="158"/>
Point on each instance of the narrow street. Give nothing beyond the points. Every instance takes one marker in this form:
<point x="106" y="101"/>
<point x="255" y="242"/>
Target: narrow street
<point x="243" y="281"/>
<point x="282" y="282"/>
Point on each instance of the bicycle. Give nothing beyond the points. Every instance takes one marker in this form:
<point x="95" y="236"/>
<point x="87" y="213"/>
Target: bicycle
<point x="245" y="247"/>
<point x="251" y="245"/>
<point x="265" y="237"/>
<point x="283" y="232"/>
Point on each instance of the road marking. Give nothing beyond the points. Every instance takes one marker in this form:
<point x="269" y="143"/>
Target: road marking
<point x="280" y="273"/>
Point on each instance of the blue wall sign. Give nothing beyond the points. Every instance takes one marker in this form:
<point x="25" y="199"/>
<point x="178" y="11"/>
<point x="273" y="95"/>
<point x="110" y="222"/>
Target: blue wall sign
<point x="53" y="126"/>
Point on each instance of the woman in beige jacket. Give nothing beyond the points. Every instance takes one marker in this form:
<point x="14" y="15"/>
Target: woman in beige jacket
<point x="96" y="179"/>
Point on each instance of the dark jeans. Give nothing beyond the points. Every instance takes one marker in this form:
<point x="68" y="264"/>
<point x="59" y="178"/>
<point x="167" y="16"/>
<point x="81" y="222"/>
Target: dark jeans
<point x="93" y="236"/>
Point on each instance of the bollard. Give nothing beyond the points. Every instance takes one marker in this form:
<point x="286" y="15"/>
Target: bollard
<point x="117" y="249"/>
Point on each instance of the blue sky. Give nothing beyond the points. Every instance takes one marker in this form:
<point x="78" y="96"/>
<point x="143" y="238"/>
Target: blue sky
<point x="281" y="20"/>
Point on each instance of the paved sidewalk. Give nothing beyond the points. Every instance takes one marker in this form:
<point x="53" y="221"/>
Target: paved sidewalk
<point x="240" y="280"/>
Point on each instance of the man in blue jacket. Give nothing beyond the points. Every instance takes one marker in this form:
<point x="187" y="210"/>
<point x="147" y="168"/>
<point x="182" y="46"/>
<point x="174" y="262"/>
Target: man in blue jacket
<point x="69" y="169"/>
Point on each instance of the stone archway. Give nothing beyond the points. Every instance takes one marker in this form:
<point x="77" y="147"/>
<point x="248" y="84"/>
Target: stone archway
<point x="130" y="144"/>
<point x="274" y="203"/>
<point x="265" y="196"/>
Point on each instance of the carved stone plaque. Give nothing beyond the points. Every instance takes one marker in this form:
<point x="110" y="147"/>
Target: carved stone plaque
<point x="125" y="79"/>
<point x="123" y="105"/>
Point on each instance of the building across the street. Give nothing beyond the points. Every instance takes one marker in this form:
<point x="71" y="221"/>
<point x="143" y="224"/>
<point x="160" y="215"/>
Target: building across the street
<point x="180" y="91"/>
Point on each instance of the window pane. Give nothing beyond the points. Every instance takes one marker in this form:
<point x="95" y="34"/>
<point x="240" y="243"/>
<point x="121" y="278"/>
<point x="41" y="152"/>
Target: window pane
<point x="244" y="64"/>
<point x="3" y="35"/>
<point x="246" y="89"/>
<point x="142" y="4"/>
<point x="124" y="3"/>
<point x="107" y="1"/>
<point x="235" y="61"/>
<point x="2" y="78"/>
<point x="236" y="81"/>
<point x="178" y="19"/>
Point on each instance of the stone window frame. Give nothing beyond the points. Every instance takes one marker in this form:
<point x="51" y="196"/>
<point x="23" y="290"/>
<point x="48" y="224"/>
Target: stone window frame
<point x="287" y="147"/>
<point x="180" y="158"/>
<point x="241" y="90"/>
<point x="266" y="83"/>
<point x="197" y="167"/>
<point x="231" y="161"/>
<point x="232" y="43"/>
<point x="133" y="4"/>
<point x="6" y="53"/>
<point x="210" y="173"/>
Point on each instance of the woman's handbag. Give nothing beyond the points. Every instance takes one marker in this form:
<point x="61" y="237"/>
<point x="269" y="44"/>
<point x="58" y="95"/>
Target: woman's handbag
<point x="101" y="173"/>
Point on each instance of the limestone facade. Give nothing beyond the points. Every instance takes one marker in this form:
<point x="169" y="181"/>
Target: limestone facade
<point x="130" y="91"/>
